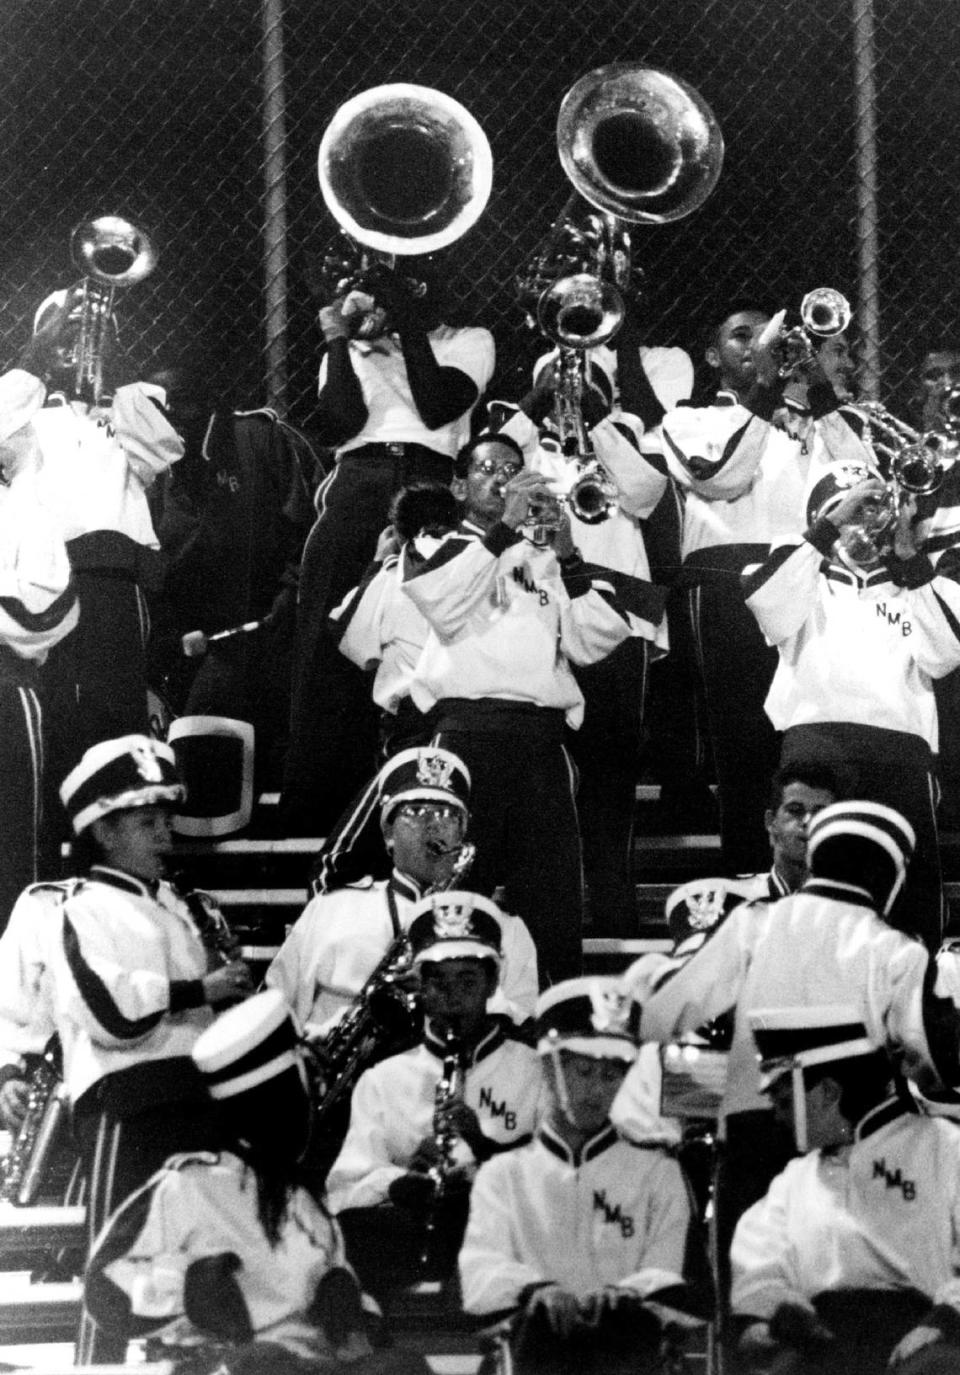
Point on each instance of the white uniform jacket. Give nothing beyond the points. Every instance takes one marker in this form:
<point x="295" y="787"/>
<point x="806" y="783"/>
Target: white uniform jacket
<point x="857" y="647"/>
<point x="614" y="545"/>
<point x="393" y="1105"/>
<point x="27" y="948"/>
<point x="38" y="605"/>
<point x="127" y="974"/>
<point x="340" y="938"/>
<point x="392" y="415"/>
<point x="744" y="481"/>
<point x="93" y="467"/>
<point x="883" y="1213"/>
<point x="507" y="619"/>
<point x="824" y="945"/>
<point x="616" y="1215"/>
<point x="202" y="1205"/>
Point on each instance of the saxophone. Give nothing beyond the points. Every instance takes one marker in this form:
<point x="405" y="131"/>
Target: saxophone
<point x="385" y="1010"/>
<point x="24" y="1167"/>
<point x="448" y="1091"/>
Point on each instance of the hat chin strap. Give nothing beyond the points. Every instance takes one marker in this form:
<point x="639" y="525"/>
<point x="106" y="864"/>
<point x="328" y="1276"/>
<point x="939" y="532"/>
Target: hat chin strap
<point x="799" y="1110"/>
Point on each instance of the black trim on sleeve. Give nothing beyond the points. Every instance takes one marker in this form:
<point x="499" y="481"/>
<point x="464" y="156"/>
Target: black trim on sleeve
<point x="186" y="993"/>
<point x="97" y="996"/>
<point x="822" y="400"/>
<point x="823" y="535"/>
<point x="751" y="580"/>
<point x="37" y="621"/>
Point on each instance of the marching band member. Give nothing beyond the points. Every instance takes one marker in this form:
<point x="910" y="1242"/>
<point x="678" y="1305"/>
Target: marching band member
<point x="828" y="942"/>
<point x="135" y="976"/>
<point x="863" y="621"/>
<point x="38" y="608"/>
<point x="228" y="1246"/>
<point x="397" y="388"/>
<point x="743" y="481"/>
<point x="92" y="465"/>
<point x="422" y="796"/>
<point x="421" y="1121"/>
<point x="507" y="619"/>
<point x="582" y="1237"/>
<point x="850" y="1265"/>
<point x="607" y="746"/>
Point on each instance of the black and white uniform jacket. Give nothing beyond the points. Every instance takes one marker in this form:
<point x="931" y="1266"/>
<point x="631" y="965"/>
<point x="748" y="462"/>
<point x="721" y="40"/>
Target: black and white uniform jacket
<point x="340" y="938"/>
<point x="507" y="620"/>
<point x="856" y="646"/>
<point x="882" y="1213"/>
<point x="393" y="1103"/>
<point x="127" y="975"/>
<point x="824" y="945"/>
<point x="616" y="1215"/>
<point x="200" y="1205"/>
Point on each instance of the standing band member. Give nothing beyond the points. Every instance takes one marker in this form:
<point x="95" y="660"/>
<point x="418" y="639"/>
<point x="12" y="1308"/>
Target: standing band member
<point x="135" y="981"/>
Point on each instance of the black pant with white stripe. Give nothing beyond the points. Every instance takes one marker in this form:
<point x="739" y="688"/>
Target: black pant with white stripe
<point x="523" y="820"/>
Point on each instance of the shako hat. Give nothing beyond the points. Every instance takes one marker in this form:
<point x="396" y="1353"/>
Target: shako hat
<point x="453" y="926"/>
<point x="590" y="1016"/>
<point x="424" y="773"/>
<point x="864" y="844"/>
<point x="116" y="775"/>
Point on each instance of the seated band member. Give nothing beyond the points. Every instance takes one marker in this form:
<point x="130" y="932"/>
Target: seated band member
<point x="850" y="1265"/>
<point x="228" y="1246"/>
<point x="422" y="1121"/>
<point x="137" y="972"/>
<point x="828" y="942"/>
<point x="397" y="388"/>
<point x="581" y="1237"/>
<point x="422" y="796"/>
<point x="508" y="618"/>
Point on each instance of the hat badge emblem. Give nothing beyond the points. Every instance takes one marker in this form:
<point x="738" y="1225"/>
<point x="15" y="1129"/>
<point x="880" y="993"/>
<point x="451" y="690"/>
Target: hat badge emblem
<point x="453" y="923"/>
<point x="147" y="763"/>
<point x="434" y="771"/>
<point x="705" y="908"/>
<point x="609" y="1009"/>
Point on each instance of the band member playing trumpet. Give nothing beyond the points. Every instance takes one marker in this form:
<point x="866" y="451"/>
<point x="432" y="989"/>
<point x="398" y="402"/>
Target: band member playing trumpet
<point x="422" y="1121"/>
<point x="137" y="973"/>
<point x="93" y="462"/>
<point x="507" y="619"/>
<point x="743" y="480"/>
<point x="607" y="747"/>
<point x="397" y="387"/>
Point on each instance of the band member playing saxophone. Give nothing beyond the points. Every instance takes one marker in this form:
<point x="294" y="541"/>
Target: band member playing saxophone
<point x="134" y="981"/>
<point x="422" y="1121"/>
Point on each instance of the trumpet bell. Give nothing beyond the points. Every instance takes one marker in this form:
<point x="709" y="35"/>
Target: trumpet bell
<point x="580" y="311"/>
<point x="113" y="251"/>
<point x="825" y="312"/>
<point x="405" y="169"/>
<point x="639" y="143"/>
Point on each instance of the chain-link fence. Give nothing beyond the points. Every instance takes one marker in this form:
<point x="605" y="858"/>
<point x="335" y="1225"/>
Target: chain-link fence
<point x="166" y="112"/>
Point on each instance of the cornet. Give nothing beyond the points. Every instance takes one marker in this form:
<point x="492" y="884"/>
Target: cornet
<point x="824" y="312"/>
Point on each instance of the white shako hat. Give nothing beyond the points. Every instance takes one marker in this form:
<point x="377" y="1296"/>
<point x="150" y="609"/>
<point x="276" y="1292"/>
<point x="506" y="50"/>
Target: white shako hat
<point x="423" y="774"/>
<point x="249" y="1046"/>
<point x="455" y="925"/>
<point x="589" y="1016"/>
<point x="115" y="775"/>
<point x="790" y="1038"/>
<point x="864" y="844"/>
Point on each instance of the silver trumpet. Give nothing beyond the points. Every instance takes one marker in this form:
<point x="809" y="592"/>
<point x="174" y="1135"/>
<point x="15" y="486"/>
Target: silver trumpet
<point x="112" y="253"/>
<point x="824" y="312"/>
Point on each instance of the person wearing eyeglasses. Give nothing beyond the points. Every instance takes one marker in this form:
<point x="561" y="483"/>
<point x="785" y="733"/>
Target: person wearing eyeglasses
<point x="507" y="619"/>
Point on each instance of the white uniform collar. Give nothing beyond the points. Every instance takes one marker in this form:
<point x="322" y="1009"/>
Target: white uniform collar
<point x="606" y="1137"/>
